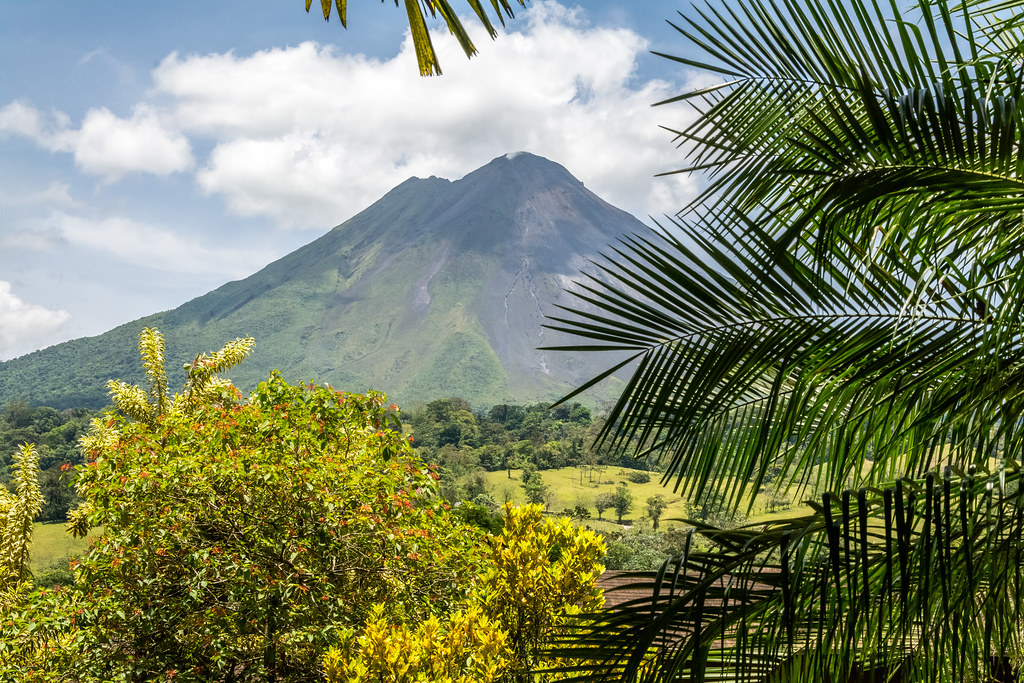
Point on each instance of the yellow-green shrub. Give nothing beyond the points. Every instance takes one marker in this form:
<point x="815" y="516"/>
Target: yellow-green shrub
<point x="17" y="512"/>
<point x="536" y="572"/>
<point x="468" y="647"/>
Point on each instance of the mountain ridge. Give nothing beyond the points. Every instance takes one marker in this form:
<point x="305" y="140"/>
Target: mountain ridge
<point x="437" y="289"/>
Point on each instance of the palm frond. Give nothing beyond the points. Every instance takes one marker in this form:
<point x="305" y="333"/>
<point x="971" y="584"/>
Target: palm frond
<point x="843" y="303"/>
<point x="752" y="358"/>
<point x="417" y="11"/>
<point x="872" y="583"/>
<point x="837" y="111"/>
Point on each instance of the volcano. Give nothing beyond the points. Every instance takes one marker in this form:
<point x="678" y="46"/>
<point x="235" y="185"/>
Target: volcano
<point x="438" y="289"/>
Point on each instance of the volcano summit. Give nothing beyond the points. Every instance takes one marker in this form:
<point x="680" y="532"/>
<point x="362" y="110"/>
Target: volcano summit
<point x="438" y="289"/>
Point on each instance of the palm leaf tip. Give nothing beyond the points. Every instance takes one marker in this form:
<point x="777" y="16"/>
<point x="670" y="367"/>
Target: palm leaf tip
<point x="426" y="56"/>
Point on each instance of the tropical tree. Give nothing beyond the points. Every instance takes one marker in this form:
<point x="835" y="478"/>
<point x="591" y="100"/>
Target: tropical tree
<point x="842" y="302"/>
<point x="655" y="507"/>
<point x="603" y="501"/>
<point x="17" y="514"/>
<point x="622" y="500"/>
<point x="425" y="55"/>
<point x="533" y="485"/>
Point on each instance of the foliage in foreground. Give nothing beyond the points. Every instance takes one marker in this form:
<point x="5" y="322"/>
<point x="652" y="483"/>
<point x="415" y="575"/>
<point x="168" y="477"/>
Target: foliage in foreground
<point x="425" y="54"/>
<point x="54" y="436"/>
<point x="848" y="291"/>
<point x="290" y="536"/>
<point x="535" y="574"/>
<point x="240" y="537"/>
<point x="17" y="512"/>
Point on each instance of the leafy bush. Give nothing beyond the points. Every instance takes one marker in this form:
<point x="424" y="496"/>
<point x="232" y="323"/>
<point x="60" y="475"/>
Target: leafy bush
<point x="468" y="647"/>
<point x="536" y="572"/>
<point x="636" y="549"/>
<point x="241" y="538"/>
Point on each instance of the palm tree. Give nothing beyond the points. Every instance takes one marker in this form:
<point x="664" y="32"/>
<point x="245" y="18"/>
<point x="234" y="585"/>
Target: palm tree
<point x="841" y="304"/>
<point x="425" y="55"/>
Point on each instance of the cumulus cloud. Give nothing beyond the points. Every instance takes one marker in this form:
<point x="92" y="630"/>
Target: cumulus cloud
<point x="110" y="146"/>
<point x="309" y="136"/>
<point x="105" y="144"/>
<point x="155" y="247"/>
<point x="24" y="327"/>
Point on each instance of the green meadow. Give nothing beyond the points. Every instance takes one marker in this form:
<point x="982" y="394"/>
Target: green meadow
<point x="571" y="486"/>
<point x="51" y="543"/>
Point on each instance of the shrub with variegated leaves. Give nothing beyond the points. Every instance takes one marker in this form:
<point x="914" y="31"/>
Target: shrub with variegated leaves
<point x="537" y="573"/>
<point x="17" y="512"/>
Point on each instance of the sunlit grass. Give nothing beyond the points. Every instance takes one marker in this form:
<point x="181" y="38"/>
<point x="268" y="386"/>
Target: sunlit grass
<point x="51" y="543"/>
<point x="569" y="486"/>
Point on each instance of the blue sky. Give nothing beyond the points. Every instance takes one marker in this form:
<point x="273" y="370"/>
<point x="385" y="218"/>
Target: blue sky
<point x="150" y="152"/>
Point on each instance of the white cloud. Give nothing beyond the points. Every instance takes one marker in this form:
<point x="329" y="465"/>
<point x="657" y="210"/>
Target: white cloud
<point x="25" y="327"/>
<point x="110" y="146"/>
<point x="49" y="131"/>
<point x="309" y="136"/>
<point x="105" y="145"/>
<point x="57" y="194"/>
<point x="154" y="247"/>
<point x="22" y="118"/>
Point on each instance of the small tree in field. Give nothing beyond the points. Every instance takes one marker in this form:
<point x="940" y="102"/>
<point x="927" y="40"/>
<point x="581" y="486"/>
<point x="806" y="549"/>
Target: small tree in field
<point x="622" y="501"/>
<point x="603" y="501"/>
<point x="655" y="506"/>
<point x="533" y="485"/>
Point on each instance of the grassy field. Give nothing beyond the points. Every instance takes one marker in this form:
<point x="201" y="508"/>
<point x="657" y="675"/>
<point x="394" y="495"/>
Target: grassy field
<point x="568" y="489"/>
<point x="51" y="544"/>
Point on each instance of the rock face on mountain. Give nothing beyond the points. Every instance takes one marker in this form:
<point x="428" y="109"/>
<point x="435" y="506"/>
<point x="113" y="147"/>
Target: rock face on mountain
<point x="438" y="289"/>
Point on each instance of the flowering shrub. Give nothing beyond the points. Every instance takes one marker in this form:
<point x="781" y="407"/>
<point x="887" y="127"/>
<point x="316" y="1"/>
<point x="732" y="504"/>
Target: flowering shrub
<point x="240" y="538"/>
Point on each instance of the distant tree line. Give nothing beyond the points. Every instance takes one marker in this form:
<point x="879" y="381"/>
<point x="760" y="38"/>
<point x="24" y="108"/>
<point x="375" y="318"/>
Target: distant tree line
<point x="449" y="432"/>
<point x="463" y="441"/>
<point x="54" y="434"/>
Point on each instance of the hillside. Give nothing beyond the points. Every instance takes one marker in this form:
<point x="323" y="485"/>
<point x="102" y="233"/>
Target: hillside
<point x="437" y="289"/>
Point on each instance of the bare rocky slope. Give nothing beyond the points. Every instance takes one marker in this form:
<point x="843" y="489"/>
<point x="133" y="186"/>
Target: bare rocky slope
<point x="438" y="289"/>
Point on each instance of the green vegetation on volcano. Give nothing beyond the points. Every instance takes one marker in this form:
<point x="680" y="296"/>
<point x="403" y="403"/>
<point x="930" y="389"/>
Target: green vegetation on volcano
<point x="438" y="289"/>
